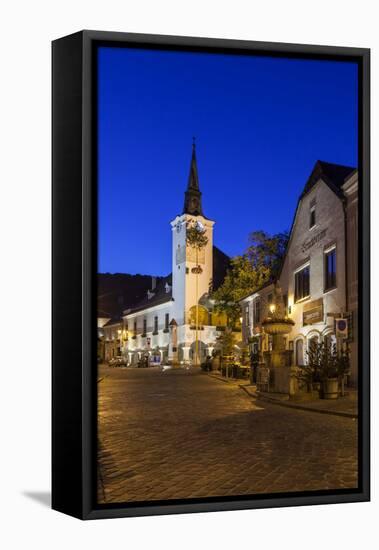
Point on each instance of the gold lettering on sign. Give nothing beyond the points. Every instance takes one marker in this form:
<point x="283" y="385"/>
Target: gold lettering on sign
<point x="314" y="240"/>
<point x="313" y="312"/>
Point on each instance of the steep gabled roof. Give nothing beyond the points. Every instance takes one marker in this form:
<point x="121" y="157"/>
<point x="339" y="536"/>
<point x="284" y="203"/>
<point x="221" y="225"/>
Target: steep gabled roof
<point x="334" y="175"/>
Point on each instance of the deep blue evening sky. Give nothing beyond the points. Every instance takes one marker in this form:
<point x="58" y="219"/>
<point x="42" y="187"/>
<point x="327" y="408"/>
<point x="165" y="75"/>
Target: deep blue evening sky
<point x="260" y="125"/>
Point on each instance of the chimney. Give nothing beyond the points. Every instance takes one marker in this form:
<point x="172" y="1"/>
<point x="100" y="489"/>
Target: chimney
<point x="153" y="283"/>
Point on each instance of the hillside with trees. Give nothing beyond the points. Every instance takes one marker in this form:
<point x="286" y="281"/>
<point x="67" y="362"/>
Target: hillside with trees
<point x="119" y="291"/>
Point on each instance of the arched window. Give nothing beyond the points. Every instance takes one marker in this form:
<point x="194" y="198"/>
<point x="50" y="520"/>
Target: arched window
<point x="299" y="352"/>
<point x="312" y="352"/>
<point x="203" y="317"/>
<point x="312" y="342"/>
<point x="201" y="350"/>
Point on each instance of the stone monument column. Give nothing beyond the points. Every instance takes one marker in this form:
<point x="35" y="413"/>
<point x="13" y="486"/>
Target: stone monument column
<point x="173" y="345"/>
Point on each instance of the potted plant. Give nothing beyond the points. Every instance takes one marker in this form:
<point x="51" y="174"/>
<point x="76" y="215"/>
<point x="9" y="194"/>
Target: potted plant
<point x="328" y="371"/>
<point x="325" y="368"/>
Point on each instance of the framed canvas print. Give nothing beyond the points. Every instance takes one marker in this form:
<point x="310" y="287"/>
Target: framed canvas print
<point x="210" y="275"/>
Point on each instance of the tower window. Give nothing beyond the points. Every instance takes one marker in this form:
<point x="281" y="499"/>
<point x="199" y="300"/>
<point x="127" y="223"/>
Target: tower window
<point x="312" y="217"/>
<point x="156" y="324"/>
<point x="330" y="278"/>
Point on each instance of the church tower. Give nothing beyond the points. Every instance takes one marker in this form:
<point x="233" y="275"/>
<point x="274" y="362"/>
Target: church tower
<point x="189" y="286"/>
<point x="192" y="197"/>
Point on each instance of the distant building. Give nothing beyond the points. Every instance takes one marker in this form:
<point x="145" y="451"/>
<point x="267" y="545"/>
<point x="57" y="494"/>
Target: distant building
<point x="162" y="325"/>
<point x="116" y="291"/>
<point x="319" y="276"/>
<point x="110" y="339"/>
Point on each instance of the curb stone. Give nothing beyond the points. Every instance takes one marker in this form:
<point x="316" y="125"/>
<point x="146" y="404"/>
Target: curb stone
<point x="281" y="403"/>
<point x="297" y="406"/>
<point x="227" y="380"/>
<point x="219" y="378"/>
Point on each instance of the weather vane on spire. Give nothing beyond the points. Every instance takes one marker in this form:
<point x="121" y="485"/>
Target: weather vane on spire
<point x="193" y="142"/>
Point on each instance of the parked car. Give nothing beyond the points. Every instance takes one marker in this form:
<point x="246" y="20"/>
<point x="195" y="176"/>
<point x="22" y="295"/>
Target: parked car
<point x="118" y="361"/>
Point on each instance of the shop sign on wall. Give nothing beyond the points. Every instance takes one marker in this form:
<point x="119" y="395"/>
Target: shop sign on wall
<point x="313" y="312"/>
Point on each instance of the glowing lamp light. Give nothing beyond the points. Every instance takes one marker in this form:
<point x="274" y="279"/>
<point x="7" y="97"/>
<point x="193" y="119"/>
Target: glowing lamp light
<point x="272" y="308"/>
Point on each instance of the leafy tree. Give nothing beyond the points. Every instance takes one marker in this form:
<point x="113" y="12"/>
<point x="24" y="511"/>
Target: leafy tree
<point x="196" y="236"/>
<point x="267" y="250"/>
<point x="324" y="361"/>
<point x="239" y="281"/>
<point x="252" y="270"/>
<point x="225" y="342"/>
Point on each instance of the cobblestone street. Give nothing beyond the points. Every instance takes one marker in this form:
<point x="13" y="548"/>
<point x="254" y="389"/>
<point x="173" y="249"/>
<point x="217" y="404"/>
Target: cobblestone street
<point x="183" y="434"/>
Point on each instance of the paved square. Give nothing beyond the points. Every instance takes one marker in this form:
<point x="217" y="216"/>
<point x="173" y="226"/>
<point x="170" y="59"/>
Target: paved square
<point x="182" y="434"/>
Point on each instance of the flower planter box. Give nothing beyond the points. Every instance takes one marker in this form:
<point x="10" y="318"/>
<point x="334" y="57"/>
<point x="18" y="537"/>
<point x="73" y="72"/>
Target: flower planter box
<point x="330" y="388"/>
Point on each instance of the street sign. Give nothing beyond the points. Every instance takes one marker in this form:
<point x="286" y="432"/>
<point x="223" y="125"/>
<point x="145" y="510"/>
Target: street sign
<point x="342" y="328"/>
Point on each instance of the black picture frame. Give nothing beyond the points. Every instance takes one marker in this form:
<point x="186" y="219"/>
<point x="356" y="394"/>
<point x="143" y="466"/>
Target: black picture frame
<point x="74" y="266"/>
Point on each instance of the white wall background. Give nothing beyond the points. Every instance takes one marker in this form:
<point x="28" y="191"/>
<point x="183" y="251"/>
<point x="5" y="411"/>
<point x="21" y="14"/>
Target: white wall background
<point x="26" y="31"/>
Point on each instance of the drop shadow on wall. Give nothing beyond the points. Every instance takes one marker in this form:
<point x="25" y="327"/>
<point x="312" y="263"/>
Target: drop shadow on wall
<point x="41" y="497"/>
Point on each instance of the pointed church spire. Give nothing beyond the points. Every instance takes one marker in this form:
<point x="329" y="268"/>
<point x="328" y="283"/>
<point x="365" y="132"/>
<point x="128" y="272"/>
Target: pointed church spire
<point x="192" y="199"/>
<point x="193" y="179"/>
